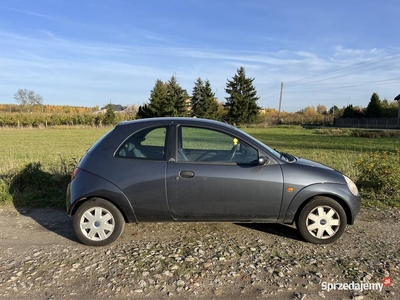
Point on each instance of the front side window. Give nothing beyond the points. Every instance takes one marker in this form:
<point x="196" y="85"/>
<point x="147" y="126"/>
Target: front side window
<point x="145" y="144"/>
<point x="211" y="146"/>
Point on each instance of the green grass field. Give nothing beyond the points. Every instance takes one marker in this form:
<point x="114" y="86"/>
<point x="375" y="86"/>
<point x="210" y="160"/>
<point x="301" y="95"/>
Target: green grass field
<point x="56" y="151"/>
<point x="21" y="146"/>
<point x="47" y="146"/>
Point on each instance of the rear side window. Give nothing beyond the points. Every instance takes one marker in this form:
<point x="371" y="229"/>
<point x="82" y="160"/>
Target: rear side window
<point x="146" y="144"/>
<point x="94" y="146"/>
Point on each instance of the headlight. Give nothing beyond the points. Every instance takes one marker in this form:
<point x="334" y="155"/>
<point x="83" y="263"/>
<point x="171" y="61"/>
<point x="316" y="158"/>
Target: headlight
<point x="351" y="185"/>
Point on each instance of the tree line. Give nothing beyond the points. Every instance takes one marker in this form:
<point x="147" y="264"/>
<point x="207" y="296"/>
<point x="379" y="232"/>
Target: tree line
<point x="169" y="99"/>
<point x="376" y="108"/>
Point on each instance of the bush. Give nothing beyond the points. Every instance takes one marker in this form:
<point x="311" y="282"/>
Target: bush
<point x="57" y="119"/>
<point x="33" y="187"/>
<point x="379" y="177"/>
<point x="376" y="134"/>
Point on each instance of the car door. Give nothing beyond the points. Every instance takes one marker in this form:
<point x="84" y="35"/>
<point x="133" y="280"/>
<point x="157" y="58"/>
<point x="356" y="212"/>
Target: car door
<point x="216" y="176"/>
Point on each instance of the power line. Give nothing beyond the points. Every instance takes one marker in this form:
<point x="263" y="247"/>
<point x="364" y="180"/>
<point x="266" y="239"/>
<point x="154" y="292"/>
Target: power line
<point x="355" y="66"/>
<point x="344" y="87"/>
<point x="360" y="67"/>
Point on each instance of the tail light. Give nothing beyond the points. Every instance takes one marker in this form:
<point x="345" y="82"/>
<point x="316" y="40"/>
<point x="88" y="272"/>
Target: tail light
<point x="75" y="173"/>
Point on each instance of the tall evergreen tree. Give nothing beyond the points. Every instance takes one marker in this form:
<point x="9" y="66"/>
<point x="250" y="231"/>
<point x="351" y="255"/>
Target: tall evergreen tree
<point x="157" y="102"/>
<point x="348" y="111"/>
<point x="109" y="116"/>
<point x="204" y="104"/>
<point x="166" y="100"/>
<point x="374" y="107"/>
<point x="210" y="102"/>
<point x="158" y="99"/>
<point x="197" y="98"/>
<point x="176" y="99"/>
<point x="242" y="100"/>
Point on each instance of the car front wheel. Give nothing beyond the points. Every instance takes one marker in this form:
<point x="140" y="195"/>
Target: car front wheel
<point x="322" y="220"/>
<point x="97" y="222"/>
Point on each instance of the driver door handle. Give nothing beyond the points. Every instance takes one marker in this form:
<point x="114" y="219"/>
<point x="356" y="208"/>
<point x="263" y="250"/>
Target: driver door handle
<point x="186" y="174"/>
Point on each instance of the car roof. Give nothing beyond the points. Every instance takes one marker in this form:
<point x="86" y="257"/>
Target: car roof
<point x="169" y="120"/>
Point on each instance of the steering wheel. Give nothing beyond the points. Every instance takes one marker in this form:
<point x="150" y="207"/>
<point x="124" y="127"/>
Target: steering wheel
<point x="232" y="153"/>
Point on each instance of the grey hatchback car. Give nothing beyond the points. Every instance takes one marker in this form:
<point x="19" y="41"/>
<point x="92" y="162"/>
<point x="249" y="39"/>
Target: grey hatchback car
<point x="188" y="169"/>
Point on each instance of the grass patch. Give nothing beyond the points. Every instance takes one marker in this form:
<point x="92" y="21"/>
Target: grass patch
<point x="22" y="146"/>
<point x="379" y="177"/>
<point x="5" y="196"/>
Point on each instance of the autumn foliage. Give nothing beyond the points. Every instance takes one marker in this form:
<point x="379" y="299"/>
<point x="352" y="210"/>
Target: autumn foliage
<point x="50" y="115"/>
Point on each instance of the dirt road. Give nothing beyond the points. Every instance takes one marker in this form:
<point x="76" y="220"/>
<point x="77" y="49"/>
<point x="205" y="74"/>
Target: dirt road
<point x="40" y="258"/>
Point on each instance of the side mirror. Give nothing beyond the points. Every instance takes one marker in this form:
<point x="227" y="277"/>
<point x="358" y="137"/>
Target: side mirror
<point x="262" y="160"/>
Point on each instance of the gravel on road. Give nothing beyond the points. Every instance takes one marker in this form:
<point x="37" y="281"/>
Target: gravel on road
<point x="40" y="258"/>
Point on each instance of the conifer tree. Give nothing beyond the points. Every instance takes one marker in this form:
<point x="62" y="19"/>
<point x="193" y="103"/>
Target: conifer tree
<point x="374" y="107"/>
<point x="158" y="99"/>
<point x="166" y="100"/>
<point x="242" y="100"/>
<point x="197" y="98"/>
<point x="204" y="104"/>
<point x="109" y="116"/>
<point x="176" y="99"/>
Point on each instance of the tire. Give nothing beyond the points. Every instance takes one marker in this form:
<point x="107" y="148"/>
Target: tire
<point x="98" y="222"/>
<point x="321" y="221"/>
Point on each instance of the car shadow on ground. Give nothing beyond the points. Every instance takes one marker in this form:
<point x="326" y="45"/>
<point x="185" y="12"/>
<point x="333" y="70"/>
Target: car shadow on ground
<point x="40" y="195"/>
<point x="281" y="230"/>
<point x="54" y="220"/>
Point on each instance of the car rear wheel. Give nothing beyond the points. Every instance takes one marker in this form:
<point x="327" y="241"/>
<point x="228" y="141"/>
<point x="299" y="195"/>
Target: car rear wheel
<point x="98" y="222"/>
<point x="322" y="221"/>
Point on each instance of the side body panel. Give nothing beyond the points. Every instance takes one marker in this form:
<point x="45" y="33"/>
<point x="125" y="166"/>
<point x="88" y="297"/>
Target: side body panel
<point x="89" y="185"/>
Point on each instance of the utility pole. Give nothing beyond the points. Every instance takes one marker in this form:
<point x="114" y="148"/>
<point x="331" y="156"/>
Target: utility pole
<point x="280" y="104"/>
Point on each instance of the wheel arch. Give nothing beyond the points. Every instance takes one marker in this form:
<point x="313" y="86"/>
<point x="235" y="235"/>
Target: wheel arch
<point x="341" y="202"/>
<point x="336" y="192"/>
<point x="84" y="200"/>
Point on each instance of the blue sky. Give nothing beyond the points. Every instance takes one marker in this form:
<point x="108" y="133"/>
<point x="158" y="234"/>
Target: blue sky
<point x="93" y="52"/>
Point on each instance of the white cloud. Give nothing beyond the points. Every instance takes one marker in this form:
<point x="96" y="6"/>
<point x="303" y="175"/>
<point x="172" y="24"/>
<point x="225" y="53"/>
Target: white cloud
<point x="66" y="70"/>
<point x="341" y="51"/>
